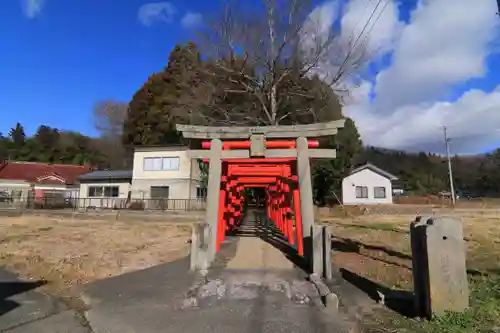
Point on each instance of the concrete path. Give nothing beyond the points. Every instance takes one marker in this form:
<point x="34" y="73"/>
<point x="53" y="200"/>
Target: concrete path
<point x="24" y="310"/>
<point x="252" y="287"/>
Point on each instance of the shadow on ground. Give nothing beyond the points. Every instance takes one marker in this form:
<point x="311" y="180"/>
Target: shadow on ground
<point x="353" y="246"/>
<point x="400" y="301"/>
<point x="259" y="226"/>
<point x="380" y="227"/>
<point x="12" y="288"/>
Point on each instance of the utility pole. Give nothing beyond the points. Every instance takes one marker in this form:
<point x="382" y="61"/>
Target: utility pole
<point x="450" y="174"/>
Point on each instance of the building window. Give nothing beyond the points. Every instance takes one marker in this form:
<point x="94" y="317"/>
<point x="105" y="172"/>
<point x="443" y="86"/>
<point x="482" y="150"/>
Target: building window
<point x="379" y="192"/>
<point x="361" y="192"/>
<point x="111" y="191"/>
<point x="95" y="191"/>
<point x="159" y="192"/>
<point x="201" y="193"/>
<point x="161" y="163"/>
<point x="104" y="191"/>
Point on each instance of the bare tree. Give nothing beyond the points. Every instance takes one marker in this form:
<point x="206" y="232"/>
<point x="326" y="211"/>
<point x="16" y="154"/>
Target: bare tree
<point x="271" y="56"/>
<point x="109" y="116"/>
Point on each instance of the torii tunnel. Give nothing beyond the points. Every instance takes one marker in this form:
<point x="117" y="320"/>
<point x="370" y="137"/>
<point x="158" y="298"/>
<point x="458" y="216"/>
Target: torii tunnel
<point x="277" y="176"/>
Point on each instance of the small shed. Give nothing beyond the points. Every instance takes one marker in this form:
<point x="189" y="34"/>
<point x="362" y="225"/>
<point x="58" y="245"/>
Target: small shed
<point x="367" y="185"/>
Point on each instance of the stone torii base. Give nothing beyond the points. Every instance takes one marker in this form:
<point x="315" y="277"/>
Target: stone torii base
<point x="205" y="247"/>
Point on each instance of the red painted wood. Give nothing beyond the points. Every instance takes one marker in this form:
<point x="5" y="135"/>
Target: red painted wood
<point x="277" y="144"/>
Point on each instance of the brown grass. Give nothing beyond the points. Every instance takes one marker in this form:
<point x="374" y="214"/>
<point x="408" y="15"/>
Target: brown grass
<point x="378" y="247"/>
<point x="70" y="253"/>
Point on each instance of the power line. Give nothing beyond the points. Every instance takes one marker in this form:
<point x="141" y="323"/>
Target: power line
<point x="450" y="173"/>
<point x="362" y="33"/>
<point x="367" y="35"/>
<point x="367" y="23"/>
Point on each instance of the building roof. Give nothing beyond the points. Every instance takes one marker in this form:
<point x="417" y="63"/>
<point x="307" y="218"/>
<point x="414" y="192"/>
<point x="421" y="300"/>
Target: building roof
<point x="374" y="169"/>
<point x="172" y="147"/>
<point x="107" y="174"/>
<point x="42" y="173"/>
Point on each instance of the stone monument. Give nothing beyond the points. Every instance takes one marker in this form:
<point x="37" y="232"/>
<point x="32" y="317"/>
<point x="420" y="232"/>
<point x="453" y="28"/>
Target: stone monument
<point x="439" y="266"/>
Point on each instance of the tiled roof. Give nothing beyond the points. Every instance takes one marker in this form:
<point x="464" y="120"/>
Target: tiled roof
<point x="107" y="174"/>
<point x="42" y="173"/>
<point x="374" y="169"/>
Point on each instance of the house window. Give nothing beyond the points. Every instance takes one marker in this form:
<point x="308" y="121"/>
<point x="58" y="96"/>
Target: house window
<point x="361" y="192"/>
<point x="111" y="191"/>
<point x="104" y="191"/>
<point x="201" y="193"/>
<point x="161" y="163"/>
<point x="95" y="191"/>
<point x="158" y="192"/>
<point x="379" y="192"/>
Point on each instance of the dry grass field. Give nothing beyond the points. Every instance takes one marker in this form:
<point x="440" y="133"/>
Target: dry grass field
<point x="378" y="248"/>
<point x="68" y="253"/>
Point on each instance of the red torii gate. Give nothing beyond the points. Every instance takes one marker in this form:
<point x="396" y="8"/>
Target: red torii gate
<point x="273" y="174"/>
<point x="280" y="166"/>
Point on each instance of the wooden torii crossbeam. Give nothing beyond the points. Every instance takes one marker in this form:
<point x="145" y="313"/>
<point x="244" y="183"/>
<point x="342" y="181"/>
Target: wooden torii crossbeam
<point x="298" y="149"/>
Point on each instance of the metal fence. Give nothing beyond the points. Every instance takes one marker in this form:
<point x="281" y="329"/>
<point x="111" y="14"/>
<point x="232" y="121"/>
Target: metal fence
<point x="28" y="199"/>
<point x="138" y="204"/>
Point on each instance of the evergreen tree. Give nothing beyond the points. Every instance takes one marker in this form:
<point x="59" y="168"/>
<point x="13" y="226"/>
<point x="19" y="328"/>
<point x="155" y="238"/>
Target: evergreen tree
<point x="164" y="101"/>
<point x="328" y="174"/>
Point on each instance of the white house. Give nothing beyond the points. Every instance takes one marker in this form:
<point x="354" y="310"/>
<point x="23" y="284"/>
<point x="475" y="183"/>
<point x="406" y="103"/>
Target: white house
<point x="105" y="188"/>
<point x="161" y="177"/>
<point x="367" y="184"/>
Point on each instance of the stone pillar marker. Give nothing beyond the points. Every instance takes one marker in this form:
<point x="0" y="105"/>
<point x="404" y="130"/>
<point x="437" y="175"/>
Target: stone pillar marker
<point x="318" y="255"/>
<point x="439" y="266"/>
<point x="198" y="255"/>
<point x="327" y="253"/>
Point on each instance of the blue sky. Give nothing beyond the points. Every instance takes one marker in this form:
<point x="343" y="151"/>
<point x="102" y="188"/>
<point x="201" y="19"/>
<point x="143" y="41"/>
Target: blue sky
<point x="58" y="59"/>
<point x="55" y="66"/>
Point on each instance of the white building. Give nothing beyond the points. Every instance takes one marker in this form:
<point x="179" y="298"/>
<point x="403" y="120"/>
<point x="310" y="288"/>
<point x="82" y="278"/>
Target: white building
<point x="105" y="188"/>
<point x="162" y="177"/>
<point x="366" y="185"/>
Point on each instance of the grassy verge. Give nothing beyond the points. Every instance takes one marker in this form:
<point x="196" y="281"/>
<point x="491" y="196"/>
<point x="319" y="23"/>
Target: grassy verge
<point x="482" y="316"/>
<point x="378" y="250"/>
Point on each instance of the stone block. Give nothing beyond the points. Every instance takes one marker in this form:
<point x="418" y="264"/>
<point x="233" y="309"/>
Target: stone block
<point x="439" y="265"/>
<point x="199" y="247"/>
<point x="327" y="254"/>
<point x="317" y="250"/>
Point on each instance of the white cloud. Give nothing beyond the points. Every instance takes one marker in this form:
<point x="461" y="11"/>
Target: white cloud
<point x="437" y="50"/>
<point x="377" y="23"/>
<point x="369" y="29"/>
<point x="322" y="17"/>
<point x="32" y="8"/>
<point x="156" y="12"/>
<point x="191" y="20"/>
<point x="473" y="122"/>
<point x="444" y="44"/>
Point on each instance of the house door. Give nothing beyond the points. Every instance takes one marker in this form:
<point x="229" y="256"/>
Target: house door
<point x="159" y="197"/>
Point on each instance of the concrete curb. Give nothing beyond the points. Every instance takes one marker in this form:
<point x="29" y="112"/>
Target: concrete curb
<point x="330" y="300"/>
